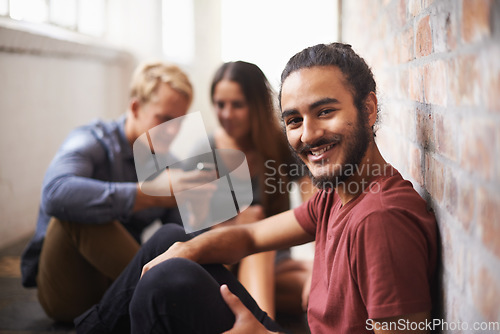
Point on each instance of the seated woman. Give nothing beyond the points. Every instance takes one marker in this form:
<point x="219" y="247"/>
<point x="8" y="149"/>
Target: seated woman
<point x="243" y="101"/>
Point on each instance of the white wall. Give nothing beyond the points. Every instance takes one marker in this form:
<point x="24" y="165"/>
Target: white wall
<point x="50" y="83"/>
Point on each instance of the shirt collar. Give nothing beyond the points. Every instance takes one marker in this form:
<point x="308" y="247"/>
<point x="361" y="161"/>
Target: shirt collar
<point x="125" y="145"/>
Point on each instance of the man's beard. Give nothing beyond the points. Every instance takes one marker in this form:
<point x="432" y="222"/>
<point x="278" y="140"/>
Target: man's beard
<point x="356" y="144"/>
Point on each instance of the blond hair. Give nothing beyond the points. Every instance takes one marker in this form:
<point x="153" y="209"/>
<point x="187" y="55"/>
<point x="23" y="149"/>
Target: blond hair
<point x="148" y="76"/>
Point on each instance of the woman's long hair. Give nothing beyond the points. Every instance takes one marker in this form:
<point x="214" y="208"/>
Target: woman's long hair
<point x="266" y="134"/>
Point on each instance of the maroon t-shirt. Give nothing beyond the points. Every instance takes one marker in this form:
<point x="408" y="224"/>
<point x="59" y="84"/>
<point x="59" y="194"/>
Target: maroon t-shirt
<point x="375" y="257"/>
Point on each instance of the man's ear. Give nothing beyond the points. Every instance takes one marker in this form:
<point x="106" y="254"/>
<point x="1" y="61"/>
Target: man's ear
<point x="134" y="107"/>
<point x="371" y="107"/>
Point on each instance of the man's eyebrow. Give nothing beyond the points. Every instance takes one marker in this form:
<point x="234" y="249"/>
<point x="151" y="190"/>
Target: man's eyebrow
<point x="289" y="112"/>
<point x="326" y="100"/>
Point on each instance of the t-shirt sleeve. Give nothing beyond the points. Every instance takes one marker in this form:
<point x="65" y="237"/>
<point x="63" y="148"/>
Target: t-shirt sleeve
<point x="389" y="260"/>
<point x="307" y="213"/>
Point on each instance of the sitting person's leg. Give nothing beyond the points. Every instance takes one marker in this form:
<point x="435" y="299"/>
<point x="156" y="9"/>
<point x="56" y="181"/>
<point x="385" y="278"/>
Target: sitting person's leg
<point x="292" y="294"/>
<point x="111" y="314"/>
<point x="181" y="296"/>
<point x="78" y="263"/>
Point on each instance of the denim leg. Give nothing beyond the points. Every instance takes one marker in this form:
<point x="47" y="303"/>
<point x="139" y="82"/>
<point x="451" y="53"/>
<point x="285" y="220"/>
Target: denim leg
<point x="189" y="301"/>
<point x="111" y="314"/>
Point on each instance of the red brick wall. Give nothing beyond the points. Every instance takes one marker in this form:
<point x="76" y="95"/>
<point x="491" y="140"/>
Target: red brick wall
<point x="437" y="65"/>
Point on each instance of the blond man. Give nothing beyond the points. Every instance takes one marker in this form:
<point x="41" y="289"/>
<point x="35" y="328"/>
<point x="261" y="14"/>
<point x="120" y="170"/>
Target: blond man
<point x="92" y="211"/>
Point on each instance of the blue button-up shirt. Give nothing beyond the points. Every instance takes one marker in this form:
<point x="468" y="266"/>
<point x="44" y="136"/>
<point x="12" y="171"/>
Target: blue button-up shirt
<point x="91" y="179"/>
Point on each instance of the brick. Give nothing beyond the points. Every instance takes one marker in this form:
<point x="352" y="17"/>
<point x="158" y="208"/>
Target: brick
<point x="424" y="129"/>
<point x="464" y="79"/>
<point x="477" y="138"/>
<point x="389" y="117"/>
<point x="495" y="18"/>
<point x="385" y="82"/>
<point x="427" y="3"/>
<point x="407" y="122"/>
<point x="423" y="38"/>
<point x="446" y="130"/>
<point x="497" y="154"/>
<point x="489" y="219"/>
<point x="453" y="254"/>
<point x="404" y="42"/>
<point x="414" y="7"/>
<point x="416" y="170"/>
<point x="401" y="12"/>
<point x="383" y="29"/>
<point x="438" y="22"/>
<point x="434" y="178"/>
<point x="402" y="87"/>
<point x="415" y="84"/>
<point x="385" y="141"/>
<point x="449" y="301"/>
<point x="393" y="16"/>
<point x="403" y="160"/>
<point x="451" y="28"/>
<point x="441" y="26"/>
<point x="491" y="72"/>
<point x="435" y="83"/>
<point x="486" y="292"/>
<point x="475" y="20"/>
<point x="456" y="304"/>
<point x="451" y="192"/>
<point x="466" y="203"/>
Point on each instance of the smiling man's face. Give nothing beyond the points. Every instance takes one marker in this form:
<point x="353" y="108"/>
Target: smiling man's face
<point x="323" y="126"/>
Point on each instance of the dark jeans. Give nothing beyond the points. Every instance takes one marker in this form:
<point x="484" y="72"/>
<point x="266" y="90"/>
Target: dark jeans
<point x="176" y="296"/>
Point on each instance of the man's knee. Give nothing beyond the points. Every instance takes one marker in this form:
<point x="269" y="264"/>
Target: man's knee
<point x="166" y="236"/>
<point x="174" y="278"/>
<point x="168" y="281"/>
<point x="174" y="274"/>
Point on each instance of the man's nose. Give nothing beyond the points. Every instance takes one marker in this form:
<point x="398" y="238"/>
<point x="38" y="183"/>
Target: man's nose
<point x="311" y="131"/>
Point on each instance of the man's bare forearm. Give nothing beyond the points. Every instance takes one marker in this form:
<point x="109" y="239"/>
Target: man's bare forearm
<point x="226" y="245"/>
<point x="223" y="245"/>
<point x="230" y="244"/>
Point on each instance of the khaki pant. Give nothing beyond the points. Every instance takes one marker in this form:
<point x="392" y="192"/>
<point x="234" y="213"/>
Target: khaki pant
<point x="78" y="263"/>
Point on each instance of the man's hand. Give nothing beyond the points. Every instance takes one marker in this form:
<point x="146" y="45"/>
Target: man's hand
<point x="176" y="250"/>
<point x="245" y="321"/>
<point x="159" y="192"/>
<point x="181" y="180"/>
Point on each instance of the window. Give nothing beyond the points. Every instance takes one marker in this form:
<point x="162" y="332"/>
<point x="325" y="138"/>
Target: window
<point x="178" y="30"/>
<point x="63" y="13"/>
<point x="85" y="16"/>
<point x="29" y="10"/>
<point x="4" y="7"/>
<point x="91" y="17"/>
<point x="268" y="33"/>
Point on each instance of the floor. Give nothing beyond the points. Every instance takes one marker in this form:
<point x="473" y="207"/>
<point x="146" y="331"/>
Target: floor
<point x="20" y="312"/>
